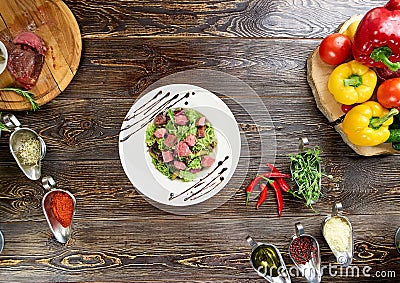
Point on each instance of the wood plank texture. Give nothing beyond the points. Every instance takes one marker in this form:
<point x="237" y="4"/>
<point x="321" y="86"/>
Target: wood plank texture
<point x="201" y="18"/>
<point x="117" y="235"/>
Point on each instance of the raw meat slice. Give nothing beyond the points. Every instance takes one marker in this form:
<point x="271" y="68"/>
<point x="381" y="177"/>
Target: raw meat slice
<point x="170" y="140"/>
<point x="179" y="165"/>
<point x="191" y="140"/>
<point x="167" y="156"/>
<point x="207" y="161"/>
<point x="183" y="149"/>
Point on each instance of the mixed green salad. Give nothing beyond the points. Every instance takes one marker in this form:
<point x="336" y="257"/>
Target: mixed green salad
<point x="181" y="143"/>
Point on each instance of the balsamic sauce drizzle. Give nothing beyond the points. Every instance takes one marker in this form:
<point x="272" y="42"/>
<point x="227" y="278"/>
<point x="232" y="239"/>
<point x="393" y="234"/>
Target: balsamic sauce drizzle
<point x="212" y="186"/>
<point x="143" y="108"/>
<point x="203" y="180"/>
<point x="154" y="114"/>
<point x="166" y="105"/>
<point x="209" y="184"/>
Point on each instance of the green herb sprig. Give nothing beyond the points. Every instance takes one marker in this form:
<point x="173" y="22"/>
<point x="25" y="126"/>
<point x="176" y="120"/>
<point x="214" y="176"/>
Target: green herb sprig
<point x="306" y="172"/>
<point x="26" y="94"/>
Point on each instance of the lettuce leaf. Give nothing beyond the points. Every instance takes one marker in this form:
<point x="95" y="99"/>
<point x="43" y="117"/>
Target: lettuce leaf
<point x="150" y="137"/>
<point x="187" y="176"/>
<point x="192" y="115"/>
<point x="162" y="167"/>
<point x="194" y="163"/>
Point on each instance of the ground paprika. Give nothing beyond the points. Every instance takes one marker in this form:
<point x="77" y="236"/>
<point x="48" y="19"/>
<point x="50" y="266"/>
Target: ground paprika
<point x="62" y="206"/>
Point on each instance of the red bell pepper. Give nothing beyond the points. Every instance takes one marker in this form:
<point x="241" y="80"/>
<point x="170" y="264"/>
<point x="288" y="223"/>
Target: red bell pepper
<point x="376" y="41"/>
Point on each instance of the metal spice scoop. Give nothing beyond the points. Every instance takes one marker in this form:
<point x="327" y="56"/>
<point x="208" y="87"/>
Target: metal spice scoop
<point x="28" y="159"/>
<point x="308" y="262"/>
<point x="397" y="239"/>
<point x="61" y="233"/>
<point x="303" y="142"/>
<point x="267" y="261"/>
<point x="1" y="242"/>
<point x="338" y="233"/>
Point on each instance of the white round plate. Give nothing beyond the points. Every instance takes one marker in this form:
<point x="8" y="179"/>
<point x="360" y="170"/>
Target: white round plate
<point x="136" y="160"/>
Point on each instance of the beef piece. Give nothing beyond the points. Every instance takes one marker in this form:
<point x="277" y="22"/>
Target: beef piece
<point x="194" y="171"/>
<point x="32" y="40"/>
<point x="190" y="140"/>
<point x="201" y="121"/>
<point x="181" y="120"/>
<point x="160" y="133"/>
<point x="180" y="112"/>
<point x="183" y="149"/>
<point x="207" y="161"/>
<point x="25" y="65"/>
<point x="179" y="165"/>
<point x="170" y="140"/>
<point x="27" y="58"/>
<point x="201" y="132"/>
<point x="160" y="119"/>
<point x="167" y="156"/>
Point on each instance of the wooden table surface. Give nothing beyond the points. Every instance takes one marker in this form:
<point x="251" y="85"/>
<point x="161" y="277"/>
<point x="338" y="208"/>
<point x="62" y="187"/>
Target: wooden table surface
<point x="117" y="235"/>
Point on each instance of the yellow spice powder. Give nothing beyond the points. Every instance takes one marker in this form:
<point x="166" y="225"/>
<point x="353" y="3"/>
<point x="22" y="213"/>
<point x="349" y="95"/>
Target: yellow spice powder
<point x="337" y="233"/>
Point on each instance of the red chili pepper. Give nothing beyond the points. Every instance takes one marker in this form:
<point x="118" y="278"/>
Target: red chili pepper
<point x="278" y="192"/>
<point x="250" y="188"/>
<point x="279" y="198"/>
<point x="257" y="179"/>
<point x="263" y="195"/>
<point x="281" y="182"/>
<point x="275" y="175"/>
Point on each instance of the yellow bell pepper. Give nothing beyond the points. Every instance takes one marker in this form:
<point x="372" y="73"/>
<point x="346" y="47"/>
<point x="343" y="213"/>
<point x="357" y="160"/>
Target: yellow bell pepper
<point x="351" y="30"/>
<point x="367" y="124"/>
<point x="352" y="82"/>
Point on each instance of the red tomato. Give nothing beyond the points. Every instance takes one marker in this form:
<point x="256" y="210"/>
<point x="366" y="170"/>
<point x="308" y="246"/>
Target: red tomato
<point x="335" y="49"/>
<point x="388" y="94"/>
<point x="346" y="108"/>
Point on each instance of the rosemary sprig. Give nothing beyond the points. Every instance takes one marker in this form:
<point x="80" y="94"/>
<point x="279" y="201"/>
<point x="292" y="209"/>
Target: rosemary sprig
<point x="26" y="94"/>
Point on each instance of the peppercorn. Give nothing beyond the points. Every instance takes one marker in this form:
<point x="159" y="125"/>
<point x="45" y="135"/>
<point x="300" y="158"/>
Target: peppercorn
<point x="301" y="249"/>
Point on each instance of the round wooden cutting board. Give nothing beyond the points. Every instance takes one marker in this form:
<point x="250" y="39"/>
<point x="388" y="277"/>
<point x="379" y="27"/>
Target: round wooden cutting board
<point x="56" y="25"/>
<point x="317" y="75"/>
